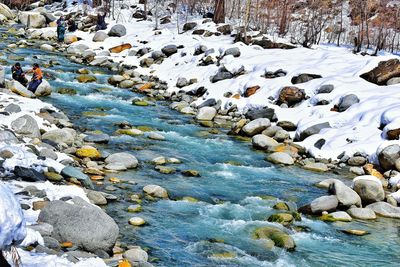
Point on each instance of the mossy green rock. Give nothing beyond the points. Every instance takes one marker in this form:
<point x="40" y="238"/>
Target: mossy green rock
<point x="145" y="128"/>
<point x="67" y="91"/>
<point x="208" y="124"/>
<point x="165" y="169"/>
<point x="134" y="208"/>
<point x="86" y="78"/>
<point x="141" y="103"/>
<point x="282" y="218"/>
<point x="280" y="238"/>
<point x="191" y="173"/>
<point x="54" y="177"/>
<point x="281" y="206"/>
<point x="94" y="113"/>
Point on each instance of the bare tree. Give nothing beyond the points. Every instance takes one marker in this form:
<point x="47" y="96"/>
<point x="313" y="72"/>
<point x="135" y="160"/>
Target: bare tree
<point x="219" y="11"/>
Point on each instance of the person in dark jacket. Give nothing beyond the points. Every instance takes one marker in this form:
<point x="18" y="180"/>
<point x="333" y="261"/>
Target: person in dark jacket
<point x="71" y="25"/>
<point x="18" y="74"/>
<point x="36" y="78"/>
<point x="101" y="22"/>
<point x="61" y="29"/>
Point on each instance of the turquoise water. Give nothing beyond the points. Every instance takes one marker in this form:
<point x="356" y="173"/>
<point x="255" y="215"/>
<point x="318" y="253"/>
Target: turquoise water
<point x="231" y="198"/>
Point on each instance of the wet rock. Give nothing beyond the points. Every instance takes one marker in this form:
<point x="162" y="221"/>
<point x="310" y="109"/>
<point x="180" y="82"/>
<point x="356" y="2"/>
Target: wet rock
<point x="191" y="173"/>
<point x="279" y="237"/>
<point x="281" y="206"/>
<point x="169" y="50"/>
<point x="280" y="158"/>
<point x="86" y="78"/>
<point x="324" y="203"/>
<point x="72" y="172"/>
<point x="305" y="77"/>
<point x="384" y="209"/>
<point x="136" y="255"/>
<point x="155" y="191"/>
<point x="134" y="208"/>
<point x="206" y="113"/>
<point x="96" y="198"/>
<point x="97" y="138"/>
<point x="347" y="101"/>
<point x="26" y="126"/>
<point x="97" y="230"/>
<point x="369" y="188"/>
<point x="315" y="129"/>
<point x="137" y="221"/>
<point x="362" y="213"/>
<point x="355" y="232"/>
<point x="263" y="142"/>
<point x="388" y="156"/>
<point x="100" y="36"/>
<point x="383" y="72"/>
<point x="291" y="96"/>
<point x="53" y="177"/>
<point x="29" y="175"/>
<point x="282" y="218"/>
<point x="189" y="26"/>
<point x="125" y="159"/>
<point x="67" y="91"/>
<point x="256" y="126"/>
<point x="345" y="195"/>
<point x="117" y="30"/>
<point x="165" y="169"/>
<point x="338" y="216"/>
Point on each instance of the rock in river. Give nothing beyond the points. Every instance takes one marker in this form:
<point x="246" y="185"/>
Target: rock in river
<point x="81" y="223"/>
<point x="155" y="191"/>
<point x="279" y="237"/>
<point x="125" y="159"/>
<point x="280" y="158"/>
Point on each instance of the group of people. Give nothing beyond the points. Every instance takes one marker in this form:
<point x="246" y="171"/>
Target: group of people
<point x="62" y="25"/>
<point x="19" y="75"/>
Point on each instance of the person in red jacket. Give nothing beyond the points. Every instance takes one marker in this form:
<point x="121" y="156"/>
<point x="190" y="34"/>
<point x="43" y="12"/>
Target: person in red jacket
<point x="36" y="78"/>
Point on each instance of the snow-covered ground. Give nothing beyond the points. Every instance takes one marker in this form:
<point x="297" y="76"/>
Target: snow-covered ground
<point x="355" y="130"/>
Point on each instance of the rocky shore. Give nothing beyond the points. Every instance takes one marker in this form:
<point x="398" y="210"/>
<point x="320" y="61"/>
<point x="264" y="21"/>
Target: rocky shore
<point x="39" y="145"/>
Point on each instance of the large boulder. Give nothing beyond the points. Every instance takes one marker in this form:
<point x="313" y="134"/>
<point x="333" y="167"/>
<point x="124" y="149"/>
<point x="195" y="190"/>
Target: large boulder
<point x="6" y="11"/>
<point x="384" y="209"/>
<point x="124" y="159"/>
<point x="315" y="129"/>
<point x="280" y="158"/>
<point x="206" y="114"/>
<point x="291" y="95"/>
<point x="263" y="142"/>
<point x="265" y="112"/>
<point x="383" y="72"/>
<point x="117" y="30"/>
<point x="347" y="101"/>
<point x="304" y="77"/>
<point x="324" y="203"/>
<point x="346" y="196"/>
<point x="81" y="223"/>
<point x="369" y="188"/>
<point x="58" y="136"/>
<point x="32" y="19"/>
<point x="388" y="156"/>
<point x="256" y="126"/>
<point x="26" y="126"/>
<point x="99" y="36"/>
<point x="18" y="89"/>
<point x="44" y="89"/>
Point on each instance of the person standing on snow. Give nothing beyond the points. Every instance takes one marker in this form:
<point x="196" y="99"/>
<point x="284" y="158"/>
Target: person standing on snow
<point x="61" y="29"/>
<point x="36" y="78"/>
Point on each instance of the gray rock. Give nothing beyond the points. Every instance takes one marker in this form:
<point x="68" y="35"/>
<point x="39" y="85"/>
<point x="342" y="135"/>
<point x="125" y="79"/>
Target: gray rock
<point x="357" y="170"/>
<point x="369" y="188"/>
<point x="136" y="254"/>
<point x="44" y="229"/>
<point x="357" y="161"/>
<point x="157" y="55"/>
<point x="287" y="125"/>
<point x="208" y="103"/>
<point x="324" y="203"/>
<point x="271" y="131"/>
<point x="347" y="101"/>
<point x="182" y="82"/>
<point x="155" y="191"/>
<point x="341" y="216"/>
<point x="221" y="75"/>
<point x="44" y="89"/>
<point x="124" y="159"/>
<point x="45" y="250"/>
<point x="169" y="50"/>
<point x="281" y="135"/>
<point x="325" y="89"/>
<point x="395" y="80"/>
<point x="362" y="213"/>
<point x="58" y="136"/>
<point x="48" y="153"/>
<point x="256" y="126"/>
<point x="77" y="48"/>
<point x="345" y="195"/>
<point x="206" y="114"/>
<point x="117" y="30"/>
<point x="263" y="142"/>
<point x="72" y="172"/>
<point x="81" y="223"/>
<point x="315" y="129"/>
<point x="96" y="198"/>
<point x="233" y="51"/>
<point x="97" y="138"/>
<point x="388" y="156"/>
<point x="280" y="158"/>
<point x="304" y="77"/>
<point x="26" y="126"/>
<point x="384" y="209"/>
<point x="51" y="243"/>
<point x="12" y="108"/>
<point x="189" y="26"/>
<point x="100" y="36"/>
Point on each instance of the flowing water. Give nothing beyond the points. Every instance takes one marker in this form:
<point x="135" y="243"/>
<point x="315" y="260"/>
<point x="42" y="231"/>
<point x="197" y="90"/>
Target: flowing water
<point x="216" y="230"/>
